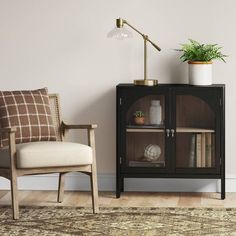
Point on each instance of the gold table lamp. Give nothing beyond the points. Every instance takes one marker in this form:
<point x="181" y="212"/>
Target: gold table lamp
<point x="121" y="33"/>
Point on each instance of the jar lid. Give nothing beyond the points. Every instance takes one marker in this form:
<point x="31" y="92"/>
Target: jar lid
<point x="155" y="102"/>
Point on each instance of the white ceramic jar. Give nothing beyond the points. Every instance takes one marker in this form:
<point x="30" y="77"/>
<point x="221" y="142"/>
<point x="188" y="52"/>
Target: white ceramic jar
<point x="155" y="113"/>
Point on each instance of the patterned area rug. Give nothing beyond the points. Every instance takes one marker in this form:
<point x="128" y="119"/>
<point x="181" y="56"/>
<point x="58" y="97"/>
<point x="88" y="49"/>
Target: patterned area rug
<point x="118" y="221"/>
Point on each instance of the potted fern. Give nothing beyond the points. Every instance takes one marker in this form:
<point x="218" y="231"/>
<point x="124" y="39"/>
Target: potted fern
<point x="199" y="57"/>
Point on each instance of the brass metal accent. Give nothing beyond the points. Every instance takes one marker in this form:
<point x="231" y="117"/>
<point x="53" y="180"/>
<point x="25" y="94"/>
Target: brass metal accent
<point x="167" y="133"/>
<point x="145" y="56"/>
<point x="146" y="82"/>
<point x="143" y="35"/>
<point x="119" y="23"/>
<point x="200" y="62"/>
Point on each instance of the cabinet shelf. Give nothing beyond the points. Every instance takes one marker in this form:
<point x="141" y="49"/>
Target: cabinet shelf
<point x="162" y="130"/>
<point x="193" y="130"/>
<point x="159" y="164"/>
<point x="145" y="130"/>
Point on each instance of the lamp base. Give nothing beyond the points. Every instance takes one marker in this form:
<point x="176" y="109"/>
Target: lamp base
<point x="146" y="82"/>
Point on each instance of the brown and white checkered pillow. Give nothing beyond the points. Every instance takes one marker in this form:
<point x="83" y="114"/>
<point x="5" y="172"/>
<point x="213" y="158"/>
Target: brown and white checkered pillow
<point x="28" y="111"/>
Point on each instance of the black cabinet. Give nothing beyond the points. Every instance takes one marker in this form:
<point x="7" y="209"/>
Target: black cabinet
<point x="188" y="142"/>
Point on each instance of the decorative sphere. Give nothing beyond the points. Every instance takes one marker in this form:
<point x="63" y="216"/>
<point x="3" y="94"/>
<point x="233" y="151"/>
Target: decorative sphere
<point x="152" y="152"/>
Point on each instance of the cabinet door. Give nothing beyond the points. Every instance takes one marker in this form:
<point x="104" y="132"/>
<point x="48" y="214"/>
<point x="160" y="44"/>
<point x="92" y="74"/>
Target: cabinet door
<point x="197" y="130"/>
<point x="143" y="142"/>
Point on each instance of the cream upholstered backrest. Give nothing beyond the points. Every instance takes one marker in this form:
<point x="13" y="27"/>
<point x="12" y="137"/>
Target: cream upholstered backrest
<point x="55" y="109"/>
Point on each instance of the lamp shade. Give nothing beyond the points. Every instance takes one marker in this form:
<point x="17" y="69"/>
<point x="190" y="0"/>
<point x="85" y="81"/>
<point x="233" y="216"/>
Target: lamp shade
<point x="119" y="33"/>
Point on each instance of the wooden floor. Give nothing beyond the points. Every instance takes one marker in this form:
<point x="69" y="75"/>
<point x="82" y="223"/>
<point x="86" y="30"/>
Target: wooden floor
<point x="128" y="199"/>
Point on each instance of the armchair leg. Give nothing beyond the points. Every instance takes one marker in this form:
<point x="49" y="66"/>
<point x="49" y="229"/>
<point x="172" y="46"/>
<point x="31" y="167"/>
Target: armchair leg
<point x="94" y="188"/>
<point x="61" y="187"/>
<point x="14" y="198"/>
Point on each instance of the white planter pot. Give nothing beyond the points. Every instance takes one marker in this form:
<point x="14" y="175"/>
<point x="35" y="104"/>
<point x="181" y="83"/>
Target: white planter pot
<point x="200" y="73"/>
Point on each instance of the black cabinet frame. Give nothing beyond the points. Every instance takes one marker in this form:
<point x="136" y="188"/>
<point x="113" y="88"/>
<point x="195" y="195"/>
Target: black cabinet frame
<point x="213" y="95"/>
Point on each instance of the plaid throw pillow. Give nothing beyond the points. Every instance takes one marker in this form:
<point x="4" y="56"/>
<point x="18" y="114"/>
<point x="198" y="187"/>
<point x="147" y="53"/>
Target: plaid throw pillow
<point x="28" y="111"/>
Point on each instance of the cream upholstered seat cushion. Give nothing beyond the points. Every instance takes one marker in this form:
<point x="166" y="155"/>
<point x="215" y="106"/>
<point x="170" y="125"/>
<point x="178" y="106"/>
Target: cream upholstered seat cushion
<point x="48" y="154"/>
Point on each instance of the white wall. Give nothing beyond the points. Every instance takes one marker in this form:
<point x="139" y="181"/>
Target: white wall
<point x="62" y="44"/>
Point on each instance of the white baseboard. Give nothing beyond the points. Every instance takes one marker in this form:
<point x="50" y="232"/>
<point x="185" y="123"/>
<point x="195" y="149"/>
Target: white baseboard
<point x="106" y="182"/>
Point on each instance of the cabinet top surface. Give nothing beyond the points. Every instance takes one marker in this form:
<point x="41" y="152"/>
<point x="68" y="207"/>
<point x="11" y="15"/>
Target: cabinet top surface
<point x="131" y="85"/>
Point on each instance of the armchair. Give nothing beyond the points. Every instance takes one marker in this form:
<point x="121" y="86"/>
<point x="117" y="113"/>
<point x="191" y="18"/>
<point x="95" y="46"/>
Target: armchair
<point x="50" y="157"/>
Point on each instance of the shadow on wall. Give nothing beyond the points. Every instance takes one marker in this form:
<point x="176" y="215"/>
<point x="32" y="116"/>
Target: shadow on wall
<point x="173" y="70"/>
<point x="178" y="70"/>
<point x="101" y="111"/>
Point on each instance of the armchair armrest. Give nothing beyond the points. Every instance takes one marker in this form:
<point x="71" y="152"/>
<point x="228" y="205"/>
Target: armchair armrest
<point x="90" y="130"/>
<point x="84" y="126"/>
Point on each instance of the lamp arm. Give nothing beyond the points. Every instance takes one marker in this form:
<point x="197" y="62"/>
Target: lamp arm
<point x="154" y="45"/>
<point x="145" y="37"/>
<point x="119" y="24"/>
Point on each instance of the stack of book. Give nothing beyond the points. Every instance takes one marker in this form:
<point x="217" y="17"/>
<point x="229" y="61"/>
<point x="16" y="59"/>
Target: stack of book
<point x="201" y="150"/>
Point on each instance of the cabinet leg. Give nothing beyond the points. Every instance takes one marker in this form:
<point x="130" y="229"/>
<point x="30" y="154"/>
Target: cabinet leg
<point x="122" y="185"/>
<point x="117" y="193"/>
<point x="118" y="186"/>
<point x="223" y="188"/>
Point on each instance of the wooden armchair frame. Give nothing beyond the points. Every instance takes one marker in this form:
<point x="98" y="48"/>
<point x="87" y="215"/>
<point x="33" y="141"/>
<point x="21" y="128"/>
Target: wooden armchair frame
<point x="13" y="172"/>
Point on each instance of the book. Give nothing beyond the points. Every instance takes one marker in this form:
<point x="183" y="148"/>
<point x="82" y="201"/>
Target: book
<point x="147" y="164"/>
<point x="192" y="161"/>
<point x="203" y="149"/>
<point x="208" y="150"/>
<point x="198" y="150"/>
